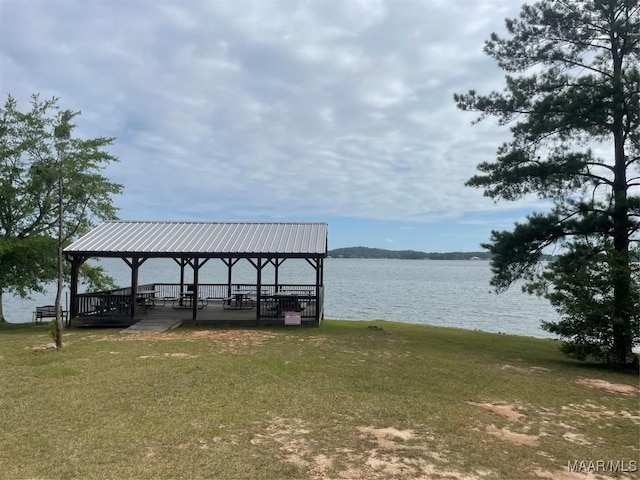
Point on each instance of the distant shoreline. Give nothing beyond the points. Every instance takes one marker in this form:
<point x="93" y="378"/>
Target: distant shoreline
<point x="380" y="253"/>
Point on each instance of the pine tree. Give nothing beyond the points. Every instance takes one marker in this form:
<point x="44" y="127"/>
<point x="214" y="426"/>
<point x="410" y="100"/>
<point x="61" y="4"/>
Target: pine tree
<point x="572" y="101"/>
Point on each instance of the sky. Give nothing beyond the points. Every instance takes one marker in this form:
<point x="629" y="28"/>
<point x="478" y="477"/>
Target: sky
<point x="305" y="111"/>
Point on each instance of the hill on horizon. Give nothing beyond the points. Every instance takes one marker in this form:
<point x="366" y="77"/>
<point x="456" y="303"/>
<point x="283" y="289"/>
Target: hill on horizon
<point x="368" y="252"/>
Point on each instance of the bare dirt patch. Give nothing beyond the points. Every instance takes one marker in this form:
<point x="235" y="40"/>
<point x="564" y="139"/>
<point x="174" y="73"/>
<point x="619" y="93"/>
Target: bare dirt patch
<point x="170" y="355"/>
<point x="576" y="438"/>
<point x="513" y="437"/>
<point x="565" y="475"/>
<point x="524" y="369"/>
<point x="508" y="411"/>
<point x="385" y="437"/>
<point x="222" y="335"/>
<point x="393" y="453"/>
<point x="590" y="410"/>
<point x="217" y="335"/>
<point x="608" y="386"/>
<point x="294" y="444"/>
<point x="549" y="422"/>
<point x="315" y="340"/>
<point x="231" y="341"/>
<point x="48" y="346"/>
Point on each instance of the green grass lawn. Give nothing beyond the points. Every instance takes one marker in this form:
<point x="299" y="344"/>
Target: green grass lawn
<point x="348" y="400"/>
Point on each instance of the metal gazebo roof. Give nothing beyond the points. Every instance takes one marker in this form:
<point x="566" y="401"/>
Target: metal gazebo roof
<point x="203" y="239"/>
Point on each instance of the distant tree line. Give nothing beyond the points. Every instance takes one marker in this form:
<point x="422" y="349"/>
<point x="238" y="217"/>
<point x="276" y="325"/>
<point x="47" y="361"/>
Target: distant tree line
<point x="366" y="252"/>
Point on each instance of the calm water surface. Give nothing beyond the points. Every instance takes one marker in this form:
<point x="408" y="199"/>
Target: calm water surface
<point x="433" y="292"/>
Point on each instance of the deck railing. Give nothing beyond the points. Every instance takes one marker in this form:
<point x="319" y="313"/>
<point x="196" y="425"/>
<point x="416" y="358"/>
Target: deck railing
<point x="298" y="298"/>
<point x="104" y="305"/>
<point x="303" y="298"/>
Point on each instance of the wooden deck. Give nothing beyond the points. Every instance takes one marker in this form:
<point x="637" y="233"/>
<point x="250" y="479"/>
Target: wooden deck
<point x="212" y="314"/>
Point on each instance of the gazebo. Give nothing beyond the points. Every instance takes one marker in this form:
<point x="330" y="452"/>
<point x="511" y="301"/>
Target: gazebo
<point x="192" y="245"/>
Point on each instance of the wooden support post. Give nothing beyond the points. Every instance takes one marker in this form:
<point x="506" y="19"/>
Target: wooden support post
<point x="196" y="270"/>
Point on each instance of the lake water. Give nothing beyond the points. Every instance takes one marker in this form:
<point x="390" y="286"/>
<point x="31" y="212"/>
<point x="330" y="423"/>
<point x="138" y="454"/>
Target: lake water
<point x="432" y="292"/>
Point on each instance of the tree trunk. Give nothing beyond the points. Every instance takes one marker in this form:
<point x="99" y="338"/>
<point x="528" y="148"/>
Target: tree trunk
<point x="621" y="261"/>
<point x="59" y="320"/>
<point x="2" y="320"/>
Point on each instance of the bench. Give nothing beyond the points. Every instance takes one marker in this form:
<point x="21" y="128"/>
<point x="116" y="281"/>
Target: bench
<point x="48" y="311"/>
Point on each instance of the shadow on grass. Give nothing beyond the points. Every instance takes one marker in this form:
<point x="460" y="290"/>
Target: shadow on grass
<point x="21" y="328"/>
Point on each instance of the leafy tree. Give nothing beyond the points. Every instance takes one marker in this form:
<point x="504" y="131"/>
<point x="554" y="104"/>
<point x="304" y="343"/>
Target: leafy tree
<point x="24" y="264"/>
<point x="83" y="193"/>
<point x="572" y="101"/>
<point x="52" y="189"/>
<point x="26" y="260"/>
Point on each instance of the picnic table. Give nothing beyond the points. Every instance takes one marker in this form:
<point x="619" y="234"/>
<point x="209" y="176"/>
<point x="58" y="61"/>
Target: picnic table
<point x="239" y="299"/>
<point x="49" y="311"/>
<point x="146" y="298"/>
<point x="288" y="302"/>
<point x="185" y="300"/>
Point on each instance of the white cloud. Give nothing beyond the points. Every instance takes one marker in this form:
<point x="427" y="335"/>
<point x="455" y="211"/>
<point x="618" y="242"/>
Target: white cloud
<point x="270" y="109"/>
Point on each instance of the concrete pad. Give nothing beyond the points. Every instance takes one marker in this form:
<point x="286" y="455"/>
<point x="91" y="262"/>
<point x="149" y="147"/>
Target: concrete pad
<point x="153" y="325"/>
